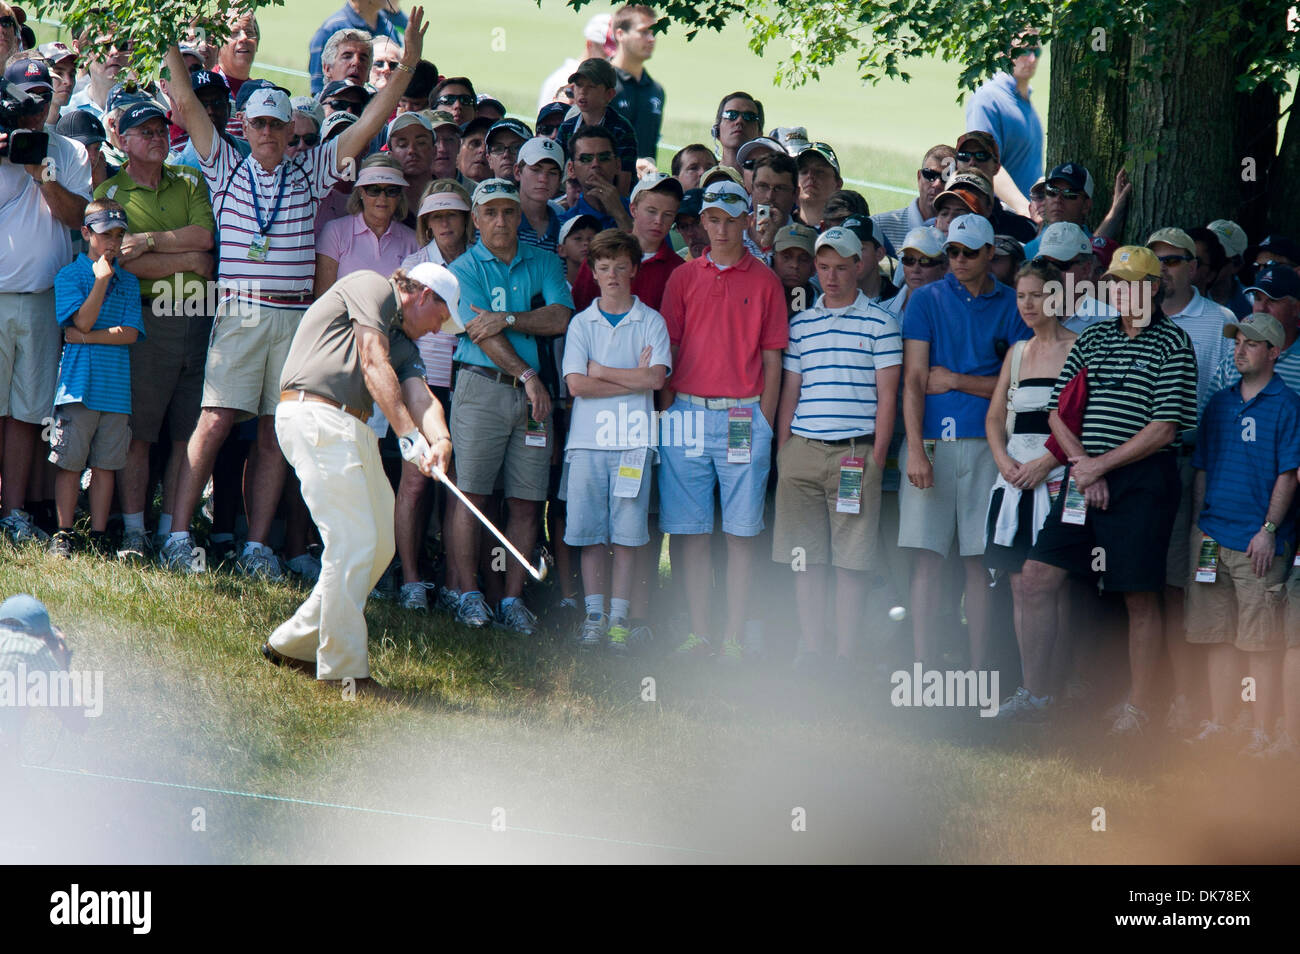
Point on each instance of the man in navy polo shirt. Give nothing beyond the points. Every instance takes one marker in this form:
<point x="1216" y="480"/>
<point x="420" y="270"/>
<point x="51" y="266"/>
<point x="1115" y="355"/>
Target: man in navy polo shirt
<point x="594" y="163"/>
<point x="1245" y="459"/>
<point x="955" y="334"/>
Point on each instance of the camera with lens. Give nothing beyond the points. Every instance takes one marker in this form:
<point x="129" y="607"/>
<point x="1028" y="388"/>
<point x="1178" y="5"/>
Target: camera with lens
<point x="25" y="146"/>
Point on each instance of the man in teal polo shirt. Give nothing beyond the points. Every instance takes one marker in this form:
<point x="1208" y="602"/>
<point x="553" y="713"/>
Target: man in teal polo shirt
<point x="510" y="293"/>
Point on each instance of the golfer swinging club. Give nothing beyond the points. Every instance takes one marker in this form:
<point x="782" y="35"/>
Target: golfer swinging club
<point x="354" y="346"/>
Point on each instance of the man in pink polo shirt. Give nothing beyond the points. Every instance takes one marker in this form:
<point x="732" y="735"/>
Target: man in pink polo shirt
<point x="727" y="325"/>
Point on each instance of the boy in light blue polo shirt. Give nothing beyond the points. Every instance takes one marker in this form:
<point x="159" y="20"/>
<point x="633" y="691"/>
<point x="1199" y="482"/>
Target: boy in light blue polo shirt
<point x="616" y="355"/>
<point x="98" y="305"/>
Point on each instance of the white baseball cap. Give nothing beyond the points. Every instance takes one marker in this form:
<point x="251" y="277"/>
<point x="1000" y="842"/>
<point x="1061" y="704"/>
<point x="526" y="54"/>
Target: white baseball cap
<point x="1231" y="236"/>
<point x="726" y="197"/>
<point x="540" y="149"/>
<point x="446" y="287"/>
<point x="490" y="190"/>
<point x="307" y="106"/>
<point x="925" y="239"/>
<point x="1064" y="241"/>
<point x="657" y="182"/>
<point x="578" y="222"/>
<point x="409" y="118"/>
<point x="844" y="241"/>
<point x="269" y="103"/>
<point x="971" y="230"/>
<point x="597" y="28"/>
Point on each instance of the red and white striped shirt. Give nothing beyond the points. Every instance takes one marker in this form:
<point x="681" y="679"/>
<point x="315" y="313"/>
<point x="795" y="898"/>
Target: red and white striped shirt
<point x="289" y="264"/>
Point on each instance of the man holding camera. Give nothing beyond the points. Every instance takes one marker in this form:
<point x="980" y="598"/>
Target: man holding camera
<point x="44" y="188"/>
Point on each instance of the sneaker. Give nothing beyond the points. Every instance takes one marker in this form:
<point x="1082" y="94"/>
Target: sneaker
<point x="1115" y="711"/>
<point x="1210" y="732"/>
<point x="517" y="618"/>
<point x="135" y="547"/>
<point x="1180" y="717"/>
<point x="304" y="567"/>
<point x="63" y="544"/>
<point x="472" y="610"/>
<point x="20" y="529"/>
<point x="258" y="560"/>
<point x="1023" y="706"/>
<point x="1131" y="721"/>
<point x="619" y="637"/>
<point x="1283" y="747"/>
<point x="593" y="630"/>
<point x="694" y="647"/>
<point x="732" y="652"/>
<point x="414" y="596"/>
<point x="639" y="638"/>
<point x="1259" y="743"/>
<point x="178" y="554"/>
<point x="448" y="600"/>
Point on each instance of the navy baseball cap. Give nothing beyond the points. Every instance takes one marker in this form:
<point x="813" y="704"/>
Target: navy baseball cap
<point x="487" y="99"/>
<point x="124" y="94"/>
<point x="1079" y="178"/>
<point x="81" y="125"/>
<point x="341" y="86"/>
<point x="550" y="110"/>
<point x="138" y="113"/>
<point x="248" y="89"/>
<point x="206" y="79"/>
<point x="692" y="203"/>
<point x="1277" y="244"/>
<point x="510" y="125"/>
<point x="28" y="75"/>
<point x="1277" y="281"/>
<point x="863" y="228"/>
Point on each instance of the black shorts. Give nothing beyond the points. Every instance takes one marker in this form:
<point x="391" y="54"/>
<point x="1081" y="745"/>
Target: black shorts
<point x="1125" y="545"/>
<point x="1010" y="559"/>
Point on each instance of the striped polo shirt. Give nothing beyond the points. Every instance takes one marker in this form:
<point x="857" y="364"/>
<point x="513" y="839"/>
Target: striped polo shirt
<point x="96" y="375"/>
<point x="289" y="267"/>
<point x="837" y="352"/>
<point x="1203" y="320"/>
<point x="1287" y="368"/>
<point x="1132" y="382"/>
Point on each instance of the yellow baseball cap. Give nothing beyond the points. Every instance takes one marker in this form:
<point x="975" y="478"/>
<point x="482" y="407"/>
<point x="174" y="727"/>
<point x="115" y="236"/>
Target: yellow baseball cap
<point x="1133" y="263"/>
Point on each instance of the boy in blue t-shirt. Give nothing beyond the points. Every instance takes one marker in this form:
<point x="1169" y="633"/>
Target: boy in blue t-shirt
<point x="98" y="306"/>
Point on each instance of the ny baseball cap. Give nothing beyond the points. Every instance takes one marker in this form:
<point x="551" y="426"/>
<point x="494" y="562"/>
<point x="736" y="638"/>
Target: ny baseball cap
<point x="81" y="125"/>
<point x="28" y="75"/>
<point x="137" y="114"/>
<point x="1133" y="263"/>
<point x="402" y="120"/>
<point x="271" y="104"/>
<point x="1277" y="281"/>
<point x="1075" y="174"/>
<point x="105" y="219"/>
<point x="510" y="126"/>
<point x="925" y="239"/>
<point x="795" y="235"/>
<point x="973" y="231"/>
<point x="597" y="70"/>
<point x="762" y="142"/>
<point x="26" y="614"/>
<point x="1231" y="235"/>
<point x="1257" y="326"/>
<point x="842" y="240"/>
<point x="1175" y="237"/>
<point x="490" y="190"/>
<point x="578" y="222"/>
<point x="445" y="286"/>
<point x="979" y="137"/>
<point x="540" y="149"/>
<point x="206" y="79"/>
<point x="1064" y="241"/>
<point x="306" y="106"/>
<point x="657" y="182"/>
<point x="726" y="197"/>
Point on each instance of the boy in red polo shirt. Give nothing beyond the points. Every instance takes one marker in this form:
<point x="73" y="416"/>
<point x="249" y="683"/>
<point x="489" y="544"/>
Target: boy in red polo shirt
<point x="727" y="324"/>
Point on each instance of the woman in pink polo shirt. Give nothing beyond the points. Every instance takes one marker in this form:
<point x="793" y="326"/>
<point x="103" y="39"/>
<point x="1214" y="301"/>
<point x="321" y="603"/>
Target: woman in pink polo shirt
<point x="371" y="236"/>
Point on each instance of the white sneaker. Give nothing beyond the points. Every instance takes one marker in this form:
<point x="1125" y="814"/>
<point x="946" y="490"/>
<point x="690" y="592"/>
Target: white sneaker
<point x="259" y="560"/>
<point x="1022" y="706"/>
<point x="1131" y="722"/>
<point x="1210" y="732"/>
<point x="178" y="554"/>
<point x="414" y="596"/>
<point x="20" y="528"/>
<point x="1180" y="717"/>
<point x="592" y="633"/>
<point x="1259" y="743"/>
<point x="1283" y="747"/>
<point x="305" y="567"/>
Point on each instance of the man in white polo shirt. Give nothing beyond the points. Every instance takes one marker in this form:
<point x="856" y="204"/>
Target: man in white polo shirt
<point x="839" y="389"/>
<point x="265" y="208"/>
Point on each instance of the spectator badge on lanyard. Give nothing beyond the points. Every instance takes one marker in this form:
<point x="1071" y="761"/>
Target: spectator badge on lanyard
<point x="1207" y="561"/>
<point x="849" y="497"/>
<point x="1075" y="509"/>
<point x="260" y="244"/>
<point x="740" y="434"/>
<point x="631" y="467"/>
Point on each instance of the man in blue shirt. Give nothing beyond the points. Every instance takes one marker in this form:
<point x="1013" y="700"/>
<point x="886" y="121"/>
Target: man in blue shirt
<point x="376" y="17"/>
<point x="509" y="294"/>
<point x="955" y="334"/>
<point x="1245" y="459"/>
<point x="594" y="163"/>
<point x="1002" y="107"/>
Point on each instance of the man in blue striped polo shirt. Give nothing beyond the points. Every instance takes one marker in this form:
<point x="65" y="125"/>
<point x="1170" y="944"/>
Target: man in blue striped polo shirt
<point x="840" y="389"/>
<point x="1277" y="292"/>
<point x="1245" y="460"/>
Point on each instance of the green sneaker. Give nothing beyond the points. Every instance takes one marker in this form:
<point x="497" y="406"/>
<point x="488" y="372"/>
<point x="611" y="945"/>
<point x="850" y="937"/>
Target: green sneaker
<point x="618" y="639"/>
<point x="693" y="647"/>
<point x="732" y="653"/>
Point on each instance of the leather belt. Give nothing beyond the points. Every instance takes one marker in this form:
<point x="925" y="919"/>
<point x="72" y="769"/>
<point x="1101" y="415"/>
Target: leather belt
<point x="843" y="441"/>
<point x="321" y="399"/>
<point x="500" y="377"/>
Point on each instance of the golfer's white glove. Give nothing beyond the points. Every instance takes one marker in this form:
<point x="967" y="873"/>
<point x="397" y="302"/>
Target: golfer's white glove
<point x="414" y="447"/>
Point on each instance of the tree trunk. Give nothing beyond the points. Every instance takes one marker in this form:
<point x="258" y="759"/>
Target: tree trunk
<point x="1285" y="207"/>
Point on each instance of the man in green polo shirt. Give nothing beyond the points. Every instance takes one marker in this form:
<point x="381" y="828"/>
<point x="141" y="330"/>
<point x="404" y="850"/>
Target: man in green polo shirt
<point x="169" y="249"/>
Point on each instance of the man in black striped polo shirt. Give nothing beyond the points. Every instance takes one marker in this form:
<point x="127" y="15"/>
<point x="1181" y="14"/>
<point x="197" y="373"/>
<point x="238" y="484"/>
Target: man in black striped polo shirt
<point x="1141" y="393"/>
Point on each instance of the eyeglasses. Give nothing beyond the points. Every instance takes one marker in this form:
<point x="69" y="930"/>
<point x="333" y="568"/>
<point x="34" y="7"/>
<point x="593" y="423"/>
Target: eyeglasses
<point x="309" y="140"/>
<point x="1027" y="51"/>
<point x="728" y="198"/>
<point x="746" y="115"/>
<point x="587" y="158"/>
<point x="958" y="251"/>
<point x="1054" y="192"/>
<point x="9" y="23"/>
<point x="374" y="191"/>
<point x="930" y="175"/>
<point x="923" y="260"/>
<point x="503" y="150"/>
<point x="387" y="64"/>
<point x="982" y="155"/>
<point x="346" y="106"/>
<point x="450" y="99"/>
<point x="266" y="122"/>
<point x="1172" y="260"/>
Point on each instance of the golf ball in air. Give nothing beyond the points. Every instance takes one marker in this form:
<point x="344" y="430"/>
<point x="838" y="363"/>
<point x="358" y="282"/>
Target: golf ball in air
<point x="898" y="614"/>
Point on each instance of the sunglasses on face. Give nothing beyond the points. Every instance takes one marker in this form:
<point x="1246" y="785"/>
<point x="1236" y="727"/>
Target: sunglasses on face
<point x="1046" y="260"/>
<point x="309" y="140"/>
<point x="345" y="106"/>
<point x="930" y="175"/>
<point x="9" y="23"/>
<point x="587" y="158"/>
<point x="266" y="122"/>
<point x="922" y="260"/>
<point x="374" y="191"/>
<point x="728" y="198"/>
<point x="1055" y="192"/>
<point x="386" y="64"/>
<point x="1027" y="51"/>
<point x="450" y="99"/>
<point x="982" y="155"/>
<point x="745" y="114"/>
<point x="505" y="188"/>
<point x="957" y="251"/>
<point x="1173" y="260"/>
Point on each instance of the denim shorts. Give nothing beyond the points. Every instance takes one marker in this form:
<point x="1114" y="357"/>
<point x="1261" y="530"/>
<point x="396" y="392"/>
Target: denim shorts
<point x="693" y="460"/>
<point x="595" y="515"/>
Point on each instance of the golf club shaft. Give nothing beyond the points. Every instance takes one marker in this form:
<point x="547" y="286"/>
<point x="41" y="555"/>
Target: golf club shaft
<point x="437" y="472"/>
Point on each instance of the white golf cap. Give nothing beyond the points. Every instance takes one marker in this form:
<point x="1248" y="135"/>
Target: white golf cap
<point x="446" y="287"/>
<point x="271" y="104"/>
<point x="925" y="239"/>
<point x="971" y="230"/>
<point x="657" y="182"/>
<point x="540" y="149"/>
<point x="442" y="202"/>
<point x="597" y="28"/>
<point x="762" y="142"/>
<point x="1064" y="241"/>
<point x="1231" y="236"/>
<point x="409" y="118"/>
<point x="726" y="197"/>
<point x="307" y="106"/>
<point x="844" y="241"/>
<point x="578" y="222"/>
<point x="490" y="190"/>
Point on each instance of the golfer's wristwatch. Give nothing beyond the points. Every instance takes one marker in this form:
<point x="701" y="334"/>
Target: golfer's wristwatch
<point x="1269" y="526"/>
<point x="510" y="321"/>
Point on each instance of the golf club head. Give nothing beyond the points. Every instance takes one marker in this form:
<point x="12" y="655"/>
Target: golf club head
<point x="542" y="570"/>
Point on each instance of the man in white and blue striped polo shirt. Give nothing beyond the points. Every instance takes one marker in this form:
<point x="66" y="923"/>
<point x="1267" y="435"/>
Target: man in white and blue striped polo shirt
<point x="839" y="389"/>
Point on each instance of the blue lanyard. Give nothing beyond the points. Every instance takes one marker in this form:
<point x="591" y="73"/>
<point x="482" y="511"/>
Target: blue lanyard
<point x="279" y="196"/>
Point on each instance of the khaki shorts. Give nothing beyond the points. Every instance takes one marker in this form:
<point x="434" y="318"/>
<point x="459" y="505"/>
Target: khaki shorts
<point x="250" y="343"/>
<point x="1179" y="564"/>
<point x="808" y="481"/>
<point x="167" y="368"/>
<point x="958" y="503"/>
<point x="488" y="426"/>
<point x="30" y="343"/>
<point x="1238" y="607"/>
<point x="80" y="436"/>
